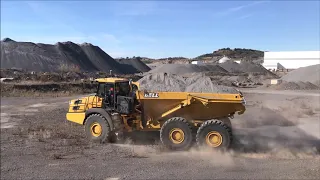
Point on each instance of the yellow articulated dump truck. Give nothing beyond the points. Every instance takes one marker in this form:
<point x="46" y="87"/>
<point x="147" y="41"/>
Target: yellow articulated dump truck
<point x="181" y="117"/>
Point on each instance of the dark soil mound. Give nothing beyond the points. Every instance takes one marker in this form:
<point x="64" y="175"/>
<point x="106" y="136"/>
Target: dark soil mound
<point x="66" y="56"/>
<point x="136" y="63"/>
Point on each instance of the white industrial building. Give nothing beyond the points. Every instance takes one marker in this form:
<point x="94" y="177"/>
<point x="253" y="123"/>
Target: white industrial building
<point x="196" y="62"/>
<point x="290" y="59"/>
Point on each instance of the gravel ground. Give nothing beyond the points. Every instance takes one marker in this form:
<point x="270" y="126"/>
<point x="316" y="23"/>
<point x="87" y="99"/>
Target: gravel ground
<point x="40" y="144"/>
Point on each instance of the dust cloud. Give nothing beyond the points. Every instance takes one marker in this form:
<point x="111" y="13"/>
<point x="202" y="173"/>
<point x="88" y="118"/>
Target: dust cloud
<point x="287" y="128"/>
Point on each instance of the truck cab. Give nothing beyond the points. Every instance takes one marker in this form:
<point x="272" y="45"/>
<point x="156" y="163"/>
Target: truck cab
<point x="112" y="94"/>
<point x="110" y="89"/>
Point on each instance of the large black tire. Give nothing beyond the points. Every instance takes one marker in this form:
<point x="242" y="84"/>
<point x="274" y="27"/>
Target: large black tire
<point x="97" y="120"/>
<point x="226" y="121"/>
<point x="180" y="126"/>
<point x="216" y="129"/>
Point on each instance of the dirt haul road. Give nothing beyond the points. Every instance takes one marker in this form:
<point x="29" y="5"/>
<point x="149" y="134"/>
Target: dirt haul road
<point x="278" y="137"/>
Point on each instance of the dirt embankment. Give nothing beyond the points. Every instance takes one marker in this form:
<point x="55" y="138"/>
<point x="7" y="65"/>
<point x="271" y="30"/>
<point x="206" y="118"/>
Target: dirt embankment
<point x="46" y="89"/>
<point x="22" y="75"/>
<point x="24" y="83"/>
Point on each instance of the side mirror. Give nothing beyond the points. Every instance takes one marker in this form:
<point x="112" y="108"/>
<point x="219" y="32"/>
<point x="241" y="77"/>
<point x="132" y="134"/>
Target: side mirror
<point x="130" y="82"/>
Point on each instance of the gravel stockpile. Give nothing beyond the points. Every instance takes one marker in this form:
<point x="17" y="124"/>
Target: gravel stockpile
<point x="296" y="86"/>
<point x="185" y="68"/>
<point x="231" y="66"/>
<point x="305" y="74"/>
<point x="66" y="56"/>
<point x="253" y="68"/>
<point x="245" y="67"/>
<point x="176" y="83"/>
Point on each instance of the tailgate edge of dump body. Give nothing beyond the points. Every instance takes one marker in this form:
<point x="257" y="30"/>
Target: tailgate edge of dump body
<point x="209" y="99"/>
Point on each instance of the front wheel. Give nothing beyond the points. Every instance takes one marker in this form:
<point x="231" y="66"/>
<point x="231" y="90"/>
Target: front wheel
<point x="214" y="134"/>
<point x="97" y="128"/>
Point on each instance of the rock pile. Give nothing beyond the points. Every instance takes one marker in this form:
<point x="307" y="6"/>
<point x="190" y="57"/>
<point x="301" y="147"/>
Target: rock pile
<point x="175" y="83"/>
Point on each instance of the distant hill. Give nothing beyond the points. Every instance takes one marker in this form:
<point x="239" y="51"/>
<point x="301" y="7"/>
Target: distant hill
<point x="173" y="58"/>
<point x="237" y="53"/>
<point x="250" y="55"/>
<point x="145" y="60"/>
<point x="63" y="56"/>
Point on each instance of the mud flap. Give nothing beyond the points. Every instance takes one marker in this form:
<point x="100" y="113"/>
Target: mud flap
<point x="143" y="118"/>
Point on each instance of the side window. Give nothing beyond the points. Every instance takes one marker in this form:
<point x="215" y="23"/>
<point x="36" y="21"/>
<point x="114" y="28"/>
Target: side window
<point x="101" y="90"/>
<point x="124" y="88"/>
<point x="109" y="88"/>
<point x="104" y="88"/>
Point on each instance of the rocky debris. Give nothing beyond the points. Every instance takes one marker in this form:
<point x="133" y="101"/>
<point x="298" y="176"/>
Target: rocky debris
<point x="245" y="85"/>
<point x="175" y="83"/>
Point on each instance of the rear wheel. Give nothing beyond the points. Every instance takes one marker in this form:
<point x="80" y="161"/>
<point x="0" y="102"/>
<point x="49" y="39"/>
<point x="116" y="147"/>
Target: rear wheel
<point x="176" y="134"/>
<point x="97" y="128"/>
<point x="214" y="134"/>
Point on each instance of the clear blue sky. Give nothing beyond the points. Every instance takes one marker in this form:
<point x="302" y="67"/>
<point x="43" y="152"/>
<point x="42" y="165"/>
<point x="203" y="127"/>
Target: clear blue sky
<point x="166" y="28"/>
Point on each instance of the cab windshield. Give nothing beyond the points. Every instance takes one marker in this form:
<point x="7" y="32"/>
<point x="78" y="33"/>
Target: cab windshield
<point x="103" y="88"/>
<point x="123" y="88"/>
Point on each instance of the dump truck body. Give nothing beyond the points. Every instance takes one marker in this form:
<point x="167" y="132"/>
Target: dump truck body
<point x="162" y="105"/>
<point x="159" y="106"/>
